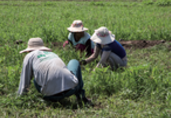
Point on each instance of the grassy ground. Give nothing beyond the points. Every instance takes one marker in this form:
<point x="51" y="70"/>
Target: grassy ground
<point x="49" y="20"/>
<point x="141" y="90"/>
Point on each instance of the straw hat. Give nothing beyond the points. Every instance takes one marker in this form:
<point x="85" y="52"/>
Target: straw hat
<point x="77" y="26"/>
<point x="103" y="36"/>
<point x="35" y="44"/>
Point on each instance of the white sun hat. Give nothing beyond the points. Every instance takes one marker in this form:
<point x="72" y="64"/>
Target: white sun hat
<point x="77" y="26"/>
<point x="103" y="36"/>
<point x="35" y="44"/>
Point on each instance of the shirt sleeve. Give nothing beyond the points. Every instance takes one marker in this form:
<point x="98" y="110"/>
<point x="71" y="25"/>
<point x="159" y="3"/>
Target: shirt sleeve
<point x="94" y="55"/>
<point x="26" y="76"/>
<point x="69" y="36"/>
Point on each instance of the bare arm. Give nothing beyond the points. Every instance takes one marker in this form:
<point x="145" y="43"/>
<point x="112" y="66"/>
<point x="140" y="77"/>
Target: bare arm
<point x="94" y="55"/>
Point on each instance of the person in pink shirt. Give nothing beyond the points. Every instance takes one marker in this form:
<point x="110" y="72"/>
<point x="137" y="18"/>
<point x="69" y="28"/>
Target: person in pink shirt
<point x="79" y="38"/>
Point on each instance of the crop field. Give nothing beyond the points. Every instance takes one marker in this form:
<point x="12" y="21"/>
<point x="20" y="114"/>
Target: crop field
<point x="141" y="90"/>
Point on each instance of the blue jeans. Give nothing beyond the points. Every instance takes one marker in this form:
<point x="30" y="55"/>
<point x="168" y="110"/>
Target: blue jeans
<point x="75" y="69"/>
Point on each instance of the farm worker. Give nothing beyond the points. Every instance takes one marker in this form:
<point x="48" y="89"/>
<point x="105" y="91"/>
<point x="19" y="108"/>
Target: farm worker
<point x="112" y="52"/>
<point x="52" y="77"/>
<point x="79" y="38"/>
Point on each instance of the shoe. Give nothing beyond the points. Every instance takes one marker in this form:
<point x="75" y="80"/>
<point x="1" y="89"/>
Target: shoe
<point x="87" y="101"/>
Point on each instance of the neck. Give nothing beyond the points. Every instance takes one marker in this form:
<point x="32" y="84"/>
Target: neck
<point x="78" y="37"/>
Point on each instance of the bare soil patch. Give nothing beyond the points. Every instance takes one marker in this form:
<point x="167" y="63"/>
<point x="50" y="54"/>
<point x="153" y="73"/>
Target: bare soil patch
<point x="135" y="44"/>
<point x="141" y="43"/>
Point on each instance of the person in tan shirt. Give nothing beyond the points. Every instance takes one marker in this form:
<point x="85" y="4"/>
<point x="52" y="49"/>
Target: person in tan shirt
<point x="111" y="51"/>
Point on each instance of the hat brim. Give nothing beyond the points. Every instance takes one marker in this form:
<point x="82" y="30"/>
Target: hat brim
<point x="103" y="40"/>
<point x="71" y="29"/>
<point x="43" y="48"/>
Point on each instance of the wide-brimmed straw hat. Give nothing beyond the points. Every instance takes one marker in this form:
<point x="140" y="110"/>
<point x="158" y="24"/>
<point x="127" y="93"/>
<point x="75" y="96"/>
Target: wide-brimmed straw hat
<point x="103" y="36"/>
<point x="77" y="26"/>
<point x="35" y="44"/>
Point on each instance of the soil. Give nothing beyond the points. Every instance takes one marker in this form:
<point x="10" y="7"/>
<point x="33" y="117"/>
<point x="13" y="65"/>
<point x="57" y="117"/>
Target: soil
<point x="141" y="43"/>
<point x="136" y="44"/>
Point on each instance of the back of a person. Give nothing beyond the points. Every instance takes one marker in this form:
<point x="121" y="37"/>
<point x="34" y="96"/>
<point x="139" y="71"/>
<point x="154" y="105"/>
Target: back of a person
<point x="117" y="48"/>
<point x="50" y="72"/>
<point x="44" y="60"/>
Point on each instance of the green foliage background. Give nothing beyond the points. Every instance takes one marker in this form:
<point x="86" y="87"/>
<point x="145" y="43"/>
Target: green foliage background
<point x="141" y="90"/>
<point x="49" y="20"/>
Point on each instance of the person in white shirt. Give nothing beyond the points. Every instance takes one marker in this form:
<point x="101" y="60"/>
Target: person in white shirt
<point x="52" y="77"/>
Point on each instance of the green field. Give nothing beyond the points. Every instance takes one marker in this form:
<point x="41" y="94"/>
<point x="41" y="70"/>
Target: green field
<point x="142" y="90"/>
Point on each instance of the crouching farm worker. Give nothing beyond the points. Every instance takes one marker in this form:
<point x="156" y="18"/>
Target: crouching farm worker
<point x="112" y="52"/>
<point x="79" y="38"/>
<point x="52" y="77"/>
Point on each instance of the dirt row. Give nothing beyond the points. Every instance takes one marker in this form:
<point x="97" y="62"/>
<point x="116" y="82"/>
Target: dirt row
<point x="136" y="44"/>
<point x="141" y="43"/>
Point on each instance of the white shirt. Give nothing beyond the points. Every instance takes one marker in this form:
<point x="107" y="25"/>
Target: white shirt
<point x="48" y="70"/>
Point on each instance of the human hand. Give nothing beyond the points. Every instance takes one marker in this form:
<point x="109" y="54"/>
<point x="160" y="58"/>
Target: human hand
<point x="65" y="43"/>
